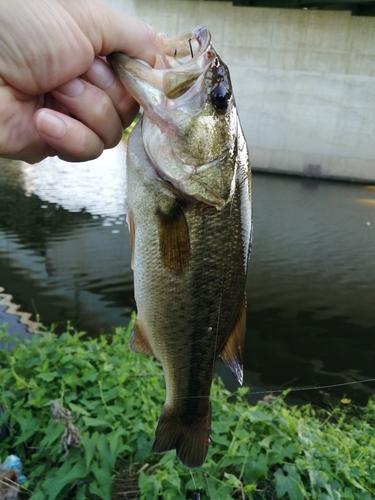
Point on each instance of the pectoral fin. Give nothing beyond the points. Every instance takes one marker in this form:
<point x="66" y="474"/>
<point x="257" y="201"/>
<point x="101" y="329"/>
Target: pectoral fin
<point x="232" y="353"/>
<point x="174" y="240"/>
<point x="139" y="341"/>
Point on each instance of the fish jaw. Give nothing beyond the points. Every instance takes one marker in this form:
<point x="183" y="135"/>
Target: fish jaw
<point x="191" y="140"/>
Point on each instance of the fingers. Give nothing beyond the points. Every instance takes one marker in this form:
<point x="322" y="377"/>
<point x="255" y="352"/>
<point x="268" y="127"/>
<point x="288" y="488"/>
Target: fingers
<point x="138" y="40"/>
<point x="118" y="32"/>
<point x="71" y="139"/>
<point x="101" y="75"/>
<point x="93" y="107"/>
<point x="99" y="109"/>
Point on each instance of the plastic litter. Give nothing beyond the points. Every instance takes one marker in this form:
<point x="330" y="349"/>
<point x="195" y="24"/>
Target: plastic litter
<point x="11" y="477"/>
<point x="13" y="462"/>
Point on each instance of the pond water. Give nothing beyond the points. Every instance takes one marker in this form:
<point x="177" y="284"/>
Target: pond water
<point x="64" y="255"/>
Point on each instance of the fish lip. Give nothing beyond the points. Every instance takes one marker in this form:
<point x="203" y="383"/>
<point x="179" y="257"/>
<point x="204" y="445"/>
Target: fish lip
<point x="170" y="47"/>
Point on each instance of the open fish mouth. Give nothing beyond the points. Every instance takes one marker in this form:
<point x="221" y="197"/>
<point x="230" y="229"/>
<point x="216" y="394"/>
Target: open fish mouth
<point x="179" y="62"/>
<point x="183" y="49"/>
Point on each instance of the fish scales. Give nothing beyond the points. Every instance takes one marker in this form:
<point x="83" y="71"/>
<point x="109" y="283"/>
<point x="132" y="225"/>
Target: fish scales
<point x="190" y="249"/>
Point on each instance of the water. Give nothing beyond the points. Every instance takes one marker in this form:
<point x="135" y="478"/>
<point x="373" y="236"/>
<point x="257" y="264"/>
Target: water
<point x="64" y="255"/>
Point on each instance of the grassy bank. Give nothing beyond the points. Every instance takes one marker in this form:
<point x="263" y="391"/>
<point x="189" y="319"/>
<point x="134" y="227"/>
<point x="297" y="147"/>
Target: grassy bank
<point x="100" y="448"/>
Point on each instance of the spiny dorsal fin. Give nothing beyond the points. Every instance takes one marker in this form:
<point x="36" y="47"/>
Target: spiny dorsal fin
<point x="174" y="240"/>
<point x="139" y="341"/>
<point x="232" y="353"/>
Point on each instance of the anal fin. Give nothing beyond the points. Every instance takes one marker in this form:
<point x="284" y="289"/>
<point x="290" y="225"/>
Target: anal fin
<point x="139" y="341"/>
<point x="232" y="353"/>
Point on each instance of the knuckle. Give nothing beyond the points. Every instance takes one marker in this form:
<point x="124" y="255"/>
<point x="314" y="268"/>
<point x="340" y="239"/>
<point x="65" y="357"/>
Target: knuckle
<point x="106" y="122"/>
<point x="83" y="145"/>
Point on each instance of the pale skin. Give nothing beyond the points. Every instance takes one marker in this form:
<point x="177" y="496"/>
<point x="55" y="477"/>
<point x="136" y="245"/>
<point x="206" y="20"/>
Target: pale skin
<point x="58" y="95"/>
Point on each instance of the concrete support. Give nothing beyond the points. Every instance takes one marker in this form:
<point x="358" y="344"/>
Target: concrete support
<point x="304" y="81"/>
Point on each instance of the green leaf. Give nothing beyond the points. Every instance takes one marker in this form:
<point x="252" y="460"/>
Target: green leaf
<point x="103" y="485"/>
<point x="88" y="444"/>
<point x="47" y="377"/>
<point x="233" y="481"/>
<point x="107" y="460"/>
<point x="95" y="422"/>
<point x="78" y="409"/>
<point x="289" y="483"/>
<point x="68" y="474"/>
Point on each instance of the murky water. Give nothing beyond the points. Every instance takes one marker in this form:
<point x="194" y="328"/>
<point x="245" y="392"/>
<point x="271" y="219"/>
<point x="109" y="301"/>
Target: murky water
<point x="64" y="255"/>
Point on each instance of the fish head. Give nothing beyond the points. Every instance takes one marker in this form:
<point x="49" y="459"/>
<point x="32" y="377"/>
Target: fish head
<point x="190" y="126"/>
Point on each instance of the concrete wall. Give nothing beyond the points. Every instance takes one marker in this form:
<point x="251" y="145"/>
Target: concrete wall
<point x="304" y="81"/>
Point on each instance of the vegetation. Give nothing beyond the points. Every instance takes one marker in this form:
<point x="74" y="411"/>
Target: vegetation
<point x="96" y="442"/>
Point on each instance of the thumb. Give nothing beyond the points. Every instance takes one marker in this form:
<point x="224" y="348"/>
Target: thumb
<point x="116" y="31"/>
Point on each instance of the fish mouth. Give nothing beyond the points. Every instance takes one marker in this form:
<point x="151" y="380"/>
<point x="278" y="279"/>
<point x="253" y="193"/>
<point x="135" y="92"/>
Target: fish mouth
<point x="179" y="62"/>
<point x="182" y="50"/>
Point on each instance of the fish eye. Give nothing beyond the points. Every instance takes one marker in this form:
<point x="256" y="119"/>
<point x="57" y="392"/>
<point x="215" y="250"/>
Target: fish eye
<point x="220" y="97"/>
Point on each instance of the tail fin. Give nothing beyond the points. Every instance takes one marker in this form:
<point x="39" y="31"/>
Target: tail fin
<point x="190" y="440"/>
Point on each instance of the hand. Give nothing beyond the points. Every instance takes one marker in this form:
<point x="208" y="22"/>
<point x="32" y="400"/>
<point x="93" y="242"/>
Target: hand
<point x="58" y="96"/>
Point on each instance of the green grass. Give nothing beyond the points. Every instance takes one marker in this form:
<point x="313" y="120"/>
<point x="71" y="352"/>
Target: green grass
<point x="103" y="448"/>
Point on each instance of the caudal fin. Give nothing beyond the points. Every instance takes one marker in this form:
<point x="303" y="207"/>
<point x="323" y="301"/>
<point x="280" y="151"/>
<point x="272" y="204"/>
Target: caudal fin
<point x="190" y="439"/>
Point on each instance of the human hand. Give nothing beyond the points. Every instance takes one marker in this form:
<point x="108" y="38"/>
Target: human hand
<point x="58" y="96"/>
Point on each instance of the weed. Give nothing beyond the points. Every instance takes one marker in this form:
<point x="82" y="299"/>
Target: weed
<point x="106" y="402"/>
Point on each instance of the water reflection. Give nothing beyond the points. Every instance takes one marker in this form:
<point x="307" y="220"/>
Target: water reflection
<point x="64" y="254"/>
<point x="63" y="250"/>
<point x="96" y="186"/>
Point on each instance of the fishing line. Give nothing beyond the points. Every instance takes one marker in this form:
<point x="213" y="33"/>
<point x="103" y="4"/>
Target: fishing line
<point x="192" y="477"/>
<point x="307" y="388"/>
<point x="196" y="493"/>
<point x="315" y="388"/>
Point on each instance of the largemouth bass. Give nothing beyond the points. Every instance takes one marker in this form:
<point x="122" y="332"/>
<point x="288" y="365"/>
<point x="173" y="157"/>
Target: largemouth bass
<point x="190" y="221"/>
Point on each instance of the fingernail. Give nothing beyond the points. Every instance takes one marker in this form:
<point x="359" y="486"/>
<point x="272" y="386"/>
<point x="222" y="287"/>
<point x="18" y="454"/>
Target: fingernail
<point x="73" y="88"/>
<point x="49" y="124"/>
<point x="100" y="74"/>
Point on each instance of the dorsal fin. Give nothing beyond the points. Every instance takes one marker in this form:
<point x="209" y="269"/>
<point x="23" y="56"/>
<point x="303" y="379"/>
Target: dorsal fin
<point x="232" y="353"/>
<point x="139" y="341"/>
<point x="174" y="239"/>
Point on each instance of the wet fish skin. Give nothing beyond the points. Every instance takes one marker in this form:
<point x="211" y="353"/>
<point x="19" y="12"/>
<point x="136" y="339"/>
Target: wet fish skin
<point x="190" y="227"/>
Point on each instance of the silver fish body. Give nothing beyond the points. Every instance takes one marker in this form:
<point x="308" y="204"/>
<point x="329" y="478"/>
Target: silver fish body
<point x="189" y="214"/>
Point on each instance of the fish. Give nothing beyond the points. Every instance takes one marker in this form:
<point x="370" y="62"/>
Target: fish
<point x="190" y="220"/>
